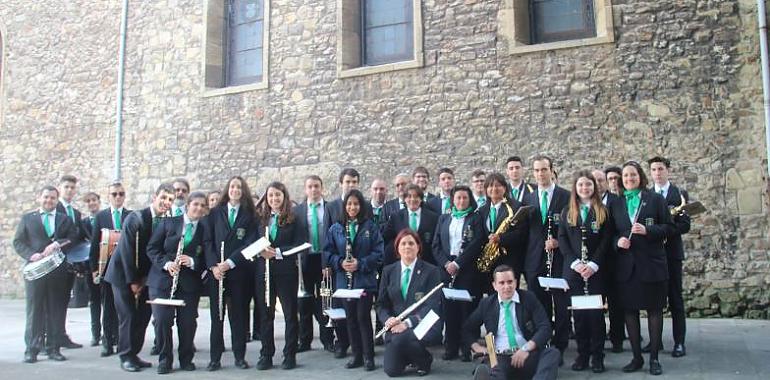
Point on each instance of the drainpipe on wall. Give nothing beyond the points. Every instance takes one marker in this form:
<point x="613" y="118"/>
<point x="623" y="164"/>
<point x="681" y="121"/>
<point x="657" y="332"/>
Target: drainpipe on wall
<point x="762" y="16"/>
<point x="119" y="105"/>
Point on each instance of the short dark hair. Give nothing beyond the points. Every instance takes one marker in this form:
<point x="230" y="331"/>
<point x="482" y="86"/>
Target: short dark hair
<point x="502" y="268"/>
<point x="643" y="182"/>
<point x="49" y="188"/>
<point x="472" y="200"/>
<point x="446" y="170"/>
<point x="613" y="169"/>
<point x="91" y="194"/>
<point x="349" y="172"/>
<point x="316" y="178"/>
<point x="478" y="173"/>
<point x="514" y="159"/>
<point x="415" y="188"/>
<point x="543" y="157"/>
<point x="663" y="160"/>
<point x="197" y="195"/>
<point x="164" y="187"/>
<point x="182" y="181"/>
<point x="420" y="170"/>
<point x="68" y="178"/>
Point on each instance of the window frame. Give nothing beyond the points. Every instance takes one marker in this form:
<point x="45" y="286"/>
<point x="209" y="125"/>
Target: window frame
<point x="586" y="32"/>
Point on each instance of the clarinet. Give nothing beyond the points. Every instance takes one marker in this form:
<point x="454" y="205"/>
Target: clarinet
<point x="175" y="278"/>
<point x="549" y="252"/>
<point x="584" y="255"/>
<point x="349" y="255"/>
<point x="466" y="235"/>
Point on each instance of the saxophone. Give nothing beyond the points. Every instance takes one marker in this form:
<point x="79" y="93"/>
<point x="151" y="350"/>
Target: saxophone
<point x="493" y="251"/>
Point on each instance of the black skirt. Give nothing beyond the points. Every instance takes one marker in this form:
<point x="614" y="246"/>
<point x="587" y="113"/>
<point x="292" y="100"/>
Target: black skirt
<point x="638" y="295"/>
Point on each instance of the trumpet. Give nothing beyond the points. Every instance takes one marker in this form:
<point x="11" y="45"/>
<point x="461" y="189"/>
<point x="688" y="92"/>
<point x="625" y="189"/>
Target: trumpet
<point x="549" y="252"/>
<point x="349" y="255"/>
<point x="301" y="292"/>
<point x="220" y="301"/>
<point x="267" y="274"/>
<point x="326" y="291"/>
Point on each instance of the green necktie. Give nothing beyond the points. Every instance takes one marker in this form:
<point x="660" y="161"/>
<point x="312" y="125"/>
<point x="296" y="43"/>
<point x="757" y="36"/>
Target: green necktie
<point x="405" y="282"/>
<point x="231" y="219"/>
<point x="178" y="211"/>
<point x="92" y="220"/>
<point x="116" y="219"/>
<point x="274" y="227"/>
<point x="515" y="193"/>
<point x="482" y="201"/>
<point x="353" y="229"/>
<point x="584" y="212"/>
<point x="314" y="227"/>
<point x="47" y="224"/>
<point x="188" y="234"/>
<point x="155" y="221"/>
<point x="71" y="213"/>
<point x="544" y="205"/>
<point x="661" y="192"/>
<point x="413" y="221"/>
<point x="492" y="217"/>
<point x="510" y="327"/>
<point x="445" y="205"/>
<point x="377" y="212"/>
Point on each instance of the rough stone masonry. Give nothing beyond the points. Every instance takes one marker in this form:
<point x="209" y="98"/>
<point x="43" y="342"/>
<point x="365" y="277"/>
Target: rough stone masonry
<point x="682" y="79"/>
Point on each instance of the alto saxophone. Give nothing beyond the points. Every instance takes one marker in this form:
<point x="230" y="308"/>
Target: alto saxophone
<point x="492" y="250"/>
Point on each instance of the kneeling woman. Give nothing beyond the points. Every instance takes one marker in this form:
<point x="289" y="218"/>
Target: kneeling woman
<point x="358" y="235"/>
<point x="188" y="266"/>
<point x="403" y="283"/>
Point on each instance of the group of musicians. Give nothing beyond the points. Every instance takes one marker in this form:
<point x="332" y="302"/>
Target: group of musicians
<point x="611" y="234"/>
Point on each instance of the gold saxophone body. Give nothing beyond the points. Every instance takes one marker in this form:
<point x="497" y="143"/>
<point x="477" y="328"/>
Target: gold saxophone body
<point x="492" y="250"/>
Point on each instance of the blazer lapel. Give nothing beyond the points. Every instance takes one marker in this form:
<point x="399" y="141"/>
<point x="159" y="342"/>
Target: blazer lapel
<point x="495" y="315"/>
<point x="416" y="278"/>
<point x="59" y="221"/>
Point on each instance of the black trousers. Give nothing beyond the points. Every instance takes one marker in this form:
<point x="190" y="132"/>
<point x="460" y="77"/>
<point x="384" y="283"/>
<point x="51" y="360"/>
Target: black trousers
<point x="675" y="301"/>
<point x="542" y="364"/>
<point x="236" y="307"/>
<point x="614" y="308"/>
<point x="341" y="327"/>
<point x="95" y="306"/>
<point x="46" y="308"/>
<point x="186" y="324"/>
<point x="590" y="327"/>
<point x="133" y="317"/>
<point x="556" y="304"/>
<point x="310" y="307"/>
<point x="284" y="282"/>
<point x="359" y="323"/>
<point x="404" y="349"/>
<point x="109" y="315"/>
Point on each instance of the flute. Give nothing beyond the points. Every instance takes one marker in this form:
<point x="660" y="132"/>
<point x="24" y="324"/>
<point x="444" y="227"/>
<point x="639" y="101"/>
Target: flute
<point x="220" y="302"/>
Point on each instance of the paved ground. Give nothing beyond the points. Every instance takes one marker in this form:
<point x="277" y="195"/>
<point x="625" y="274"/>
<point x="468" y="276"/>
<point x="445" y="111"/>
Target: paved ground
<point x="717" y="349"/>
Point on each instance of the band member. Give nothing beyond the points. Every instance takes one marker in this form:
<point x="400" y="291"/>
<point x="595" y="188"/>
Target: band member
<point x="274" y="211"/>
<point x="415" y="217"/>
<point x="659" y="169"/>
<point x="358" y="270"/>
<point x="514" y="168"/>
<point x="615" y="312"/>
<point x="214" y="197"/>
<point x="404" y="283"/>
<point x="478" y="177"/>
<point x="313" y="219"/>
<point x="394" y="205"/>
<point x="379" y="193"/>
<point x="521" y="331"/>
<point x="93" y="203"/>
<point x="446" y="182"/>
<point x="585" y="223"/>
<point x="232" y="223"/>
<point x="421" y="178"/>
<point x="68" y="188"/>
<point x="178" y="272"/>
<point x="127" y="273"/>
<point x="349" y="179"/>
<point x="543" y="255"/>
<point x="40" y="234"/>
<point x="642" y="224"/>
<point x="613" y="175"/>
<point x="181" y="190"/>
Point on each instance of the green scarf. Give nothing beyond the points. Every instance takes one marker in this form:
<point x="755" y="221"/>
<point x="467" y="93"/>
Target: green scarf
<point x="633" y="199"/>
<point x="459" y="214"/>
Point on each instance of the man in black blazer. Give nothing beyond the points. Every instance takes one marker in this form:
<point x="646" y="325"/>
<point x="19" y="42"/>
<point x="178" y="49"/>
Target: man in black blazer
<point x="523" y="355"/>
<point x="393" y="206"/>
<point x="426" y="225"/>
<point x="659" y="167"/>
<point x="548" y="202"/>
<point x="93" y="203"/>
<point x="185" y="232"/>
<point x="514" y="168"/>
<point x="127" y="273"/>
<point x="41" y="233"/>
<point x="111" y="218"/>
<point x="440" y="204"/>
<point x="378" y="192"/>
<point x="349" y="179"/>
<point x="314" y="220"/>
<point x="421" y="178"/>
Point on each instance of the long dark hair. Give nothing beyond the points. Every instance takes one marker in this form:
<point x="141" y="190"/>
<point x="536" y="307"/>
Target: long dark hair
<point x="285" y="214"/>
<point x="473" y="205"/>
<point x="643" y="182"/>
<point x="574" y="201"/>
<point x="364" y="213"/>
<point x="247" y="202"/>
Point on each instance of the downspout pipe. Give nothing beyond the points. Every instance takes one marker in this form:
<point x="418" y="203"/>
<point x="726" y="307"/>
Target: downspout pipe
<point x="762" y="21"/>
<point x="119" y="103"/>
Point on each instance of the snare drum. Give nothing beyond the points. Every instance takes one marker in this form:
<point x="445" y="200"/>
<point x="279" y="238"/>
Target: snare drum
<point x="38" y="269"/>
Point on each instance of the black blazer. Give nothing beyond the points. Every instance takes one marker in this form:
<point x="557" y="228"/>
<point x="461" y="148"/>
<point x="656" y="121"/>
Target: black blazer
<point x="31" y="238"/>
<point x="610" y="197"/>
<point x="534" y="262"/>
<point x="390" y="208"/>
<point x="335" y="209"/>
<point x="435" y="204"/>
<point x="78" y="222"/>
<point x="674" y="245"/>
<point x="466" y="277"/>
<point x="512" y="240"/>
<point x="598" y="241"/>
<point x="289" y="236"/>
<point x="103" y="220"/>
<point x="162" y="248"/>
<point x="123" y="269"/>
<point x="647" y="256"/>
<point x="524" y="190"/>
<point x="534" y="324"/>
<point x="390" y="303"/>
<point x="400" y="221"/>
<point x="245" y="231"/>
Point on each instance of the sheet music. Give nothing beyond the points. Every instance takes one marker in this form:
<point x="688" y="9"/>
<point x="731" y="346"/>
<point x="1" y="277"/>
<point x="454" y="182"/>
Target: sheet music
<point x="587" y="302"/>
<point x="553" y="283"/>
<point x="348" y="293"/>
<point x="255" y="248"/>
<point x="425" y="324"/>
<point x="457" y="294"/>
<point x="335" y="314"/>
<point x="294" y="250"/>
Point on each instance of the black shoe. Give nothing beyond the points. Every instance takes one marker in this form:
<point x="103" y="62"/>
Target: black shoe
<point x="354" y="363"/>
<point x="617" y="348"/>
<point x="164" y="369"/>
<point x="242" y="364"/>
<point x="340" y="353"/>
<point x="379" y="341"/>
<point x="304" y="347"/>
<point x="213" y="366"/>
<point x="141" y="363"/>
<point x="256" y="336"/>
<point x="56" y="355"/>
<point x="369" y="365"/>
<point x="448" y="355"/>
<point x="129" y="366"/>
<point x="187" y="366"/>
<point x="679" y="351"/>
<point x="264" y="363"/>
<point x="289" y="362"/>
<point x="646" y="348"/>
<point x="597" y="366"/>
<point x="481" y="372"/>
<point x="655" y="368"/>
<point x="635" y="365"/>
<point x="94" y="342"/>
<point x="107" y="351"/>
<point x="422" y="372"/>
<point x="155" y="351"/>
<point x="580" y="364"/>
<point x="329" y="347"/>
<point x="70" y="344"/>
<point x="30" y="357"/>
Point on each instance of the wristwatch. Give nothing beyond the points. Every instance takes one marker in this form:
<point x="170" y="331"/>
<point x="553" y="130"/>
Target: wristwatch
<point x="525" y="347"/>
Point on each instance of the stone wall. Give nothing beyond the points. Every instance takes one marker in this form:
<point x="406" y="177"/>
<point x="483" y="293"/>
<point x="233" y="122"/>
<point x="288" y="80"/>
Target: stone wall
<point x="682" y="79"/>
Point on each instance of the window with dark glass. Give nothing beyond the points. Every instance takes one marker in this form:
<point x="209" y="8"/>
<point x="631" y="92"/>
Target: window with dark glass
<point x="559" y="20"/>
<point x="387" y="31"/>
<point x="245" y="28"/>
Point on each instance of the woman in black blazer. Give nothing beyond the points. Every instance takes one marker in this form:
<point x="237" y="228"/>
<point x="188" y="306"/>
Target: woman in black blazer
<point x="585" y="221"/>
<point x="450" y="251"/>
<point x="642" y="223"/>
<point x="274" y="211"/>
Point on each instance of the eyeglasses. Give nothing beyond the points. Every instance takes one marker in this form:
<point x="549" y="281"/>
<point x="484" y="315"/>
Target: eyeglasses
<point x="118" y="194"/>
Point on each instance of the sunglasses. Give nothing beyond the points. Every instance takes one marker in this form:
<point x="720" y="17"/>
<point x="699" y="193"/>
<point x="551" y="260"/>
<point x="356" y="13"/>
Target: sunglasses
<point x="118" y="194"/>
